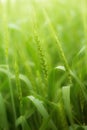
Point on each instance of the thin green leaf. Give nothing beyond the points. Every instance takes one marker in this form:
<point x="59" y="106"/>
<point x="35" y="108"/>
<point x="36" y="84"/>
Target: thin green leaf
<point x="3" y="116"/>
<point x="41" y="109"/>
<point x="67" y="104"/>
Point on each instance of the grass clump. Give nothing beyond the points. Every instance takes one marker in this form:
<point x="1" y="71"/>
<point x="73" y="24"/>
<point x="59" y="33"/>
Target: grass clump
<point x="34" y="96"/>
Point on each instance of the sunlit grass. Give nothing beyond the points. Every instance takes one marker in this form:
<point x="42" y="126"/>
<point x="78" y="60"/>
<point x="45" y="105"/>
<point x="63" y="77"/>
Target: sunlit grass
<point x="43" y="66"/>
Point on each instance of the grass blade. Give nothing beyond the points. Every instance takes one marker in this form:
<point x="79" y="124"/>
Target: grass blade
<point x="41" y="109"/>
<point x="3" y="116"/>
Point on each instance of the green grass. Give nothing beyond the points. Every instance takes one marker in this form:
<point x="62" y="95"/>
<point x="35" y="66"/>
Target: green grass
<point x="43" y="65"/>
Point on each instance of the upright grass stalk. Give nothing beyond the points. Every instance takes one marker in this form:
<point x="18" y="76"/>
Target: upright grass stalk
<point x="84" y="21"/>
<point x="61" y="52"/>
<point x="19" y="90"/>
<point x="27" y="67"/>
<point x="83" y="97"/>
<point x="43" y="62"/>
<point x="6" y="44"/>
<point x="62" y="121"/>
<point x="18" y="85"/>
<point x="41" y="55"/>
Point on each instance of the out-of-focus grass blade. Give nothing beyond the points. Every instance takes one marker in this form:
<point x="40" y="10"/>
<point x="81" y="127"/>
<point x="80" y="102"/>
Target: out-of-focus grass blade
<point x="61" y="68"/>
<point x="82" y="50"/>
<point x="22" y="121"/>
<point x="41" y="109"/>
<point x="67" y="105"/>
<point x="78" y="127"/>
<point x="21" y="76"/>
<point x="56" y="76"/>
<point x="28" y="108"/>
<point x="3" y="116"/>
<point x="25" y="79"/>
<point x="45" y="124"/>
<point x="5" y="71"/>
<point x="14" y="26"/>
<point x="3" y="66"/>
<point x="85" y="127"/>
<point x="19" y="120"/>
<point x="39" y="105"/>
<point x="83" y="89"/>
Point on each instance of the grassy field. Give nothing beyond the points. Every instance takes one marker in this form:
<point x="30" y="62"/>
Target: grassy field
<point x="43" y="65"/>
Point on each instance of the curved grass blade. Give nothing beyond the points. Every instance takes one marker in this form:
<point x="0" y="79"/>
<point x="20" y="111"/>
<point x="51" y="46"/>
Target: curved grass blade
<point x="56" y="76"/>
<point x="5" y="71"/>
<point x="25" y="80"/>
<point x="83" y="89"/>
<point x="42" y="110"/>
<point x="22" y="121"/>
<point x="67" y="105"/>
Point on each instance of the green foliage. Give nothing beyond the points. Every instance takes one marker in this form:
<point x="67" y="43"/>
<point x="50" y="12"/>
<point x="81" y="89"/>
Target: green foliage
<point x="43" y="65"/>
